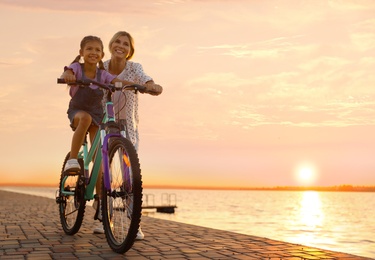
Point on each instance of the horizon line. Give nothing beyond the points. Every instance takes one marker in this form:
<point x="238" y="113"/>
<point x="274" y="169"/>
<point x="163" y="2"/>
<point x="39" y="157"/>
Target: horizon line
<point x="340" y="187"/>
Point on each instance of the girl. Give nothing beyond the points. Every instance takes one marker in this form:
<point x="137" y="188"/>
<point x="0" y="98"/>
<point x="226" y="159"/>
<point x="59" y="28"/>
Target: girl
<point x="85" y="110"/>
<point x="85" y="107"/>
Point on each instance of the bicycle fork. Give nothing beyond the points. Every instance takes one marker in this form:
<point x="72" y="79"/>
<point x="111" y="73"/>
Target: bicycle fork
<point x="124" y="159"/>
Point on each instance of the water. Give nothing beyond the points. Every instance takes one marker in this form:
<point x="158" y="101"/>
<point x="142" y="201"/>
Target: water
<point x="338" y="221"/>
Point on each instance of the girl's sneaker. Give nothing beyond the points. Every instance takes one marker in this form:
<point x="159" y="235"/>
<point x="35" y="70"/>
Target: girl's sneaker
<point x="72" y="165"/>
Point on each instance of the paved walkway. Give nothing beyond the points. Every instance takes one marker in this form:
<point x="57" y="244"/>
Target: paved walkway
<point x="30" y="229"/>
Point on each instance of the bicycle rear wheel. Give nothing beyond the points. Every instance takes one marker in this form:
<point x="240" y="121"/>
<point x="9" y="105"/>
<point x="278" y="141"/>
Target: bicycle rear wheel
<point x="122" y="205"/>
<point x="71" y="200"/>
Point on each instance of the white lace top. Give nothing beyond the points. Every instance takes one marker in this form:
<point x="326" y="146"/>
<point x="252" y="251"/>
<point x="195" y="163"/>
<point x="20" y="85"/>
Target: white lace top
<point x="126" y="106"/>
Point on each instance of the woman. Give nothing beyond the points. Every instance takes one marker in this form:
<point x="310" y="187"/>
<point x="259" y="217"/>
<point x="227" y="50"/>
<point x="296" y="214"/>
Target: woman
<point x="121" y="47"/>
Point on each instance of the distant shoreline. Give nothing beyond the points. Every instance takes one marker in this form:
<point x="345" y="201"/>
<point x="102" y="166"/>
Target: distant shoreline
<point x="339" y="188"/>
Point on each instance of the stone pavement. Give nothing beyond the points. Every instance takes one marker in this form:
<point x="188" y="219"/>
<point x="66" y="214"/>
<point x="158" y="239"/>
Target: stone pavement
<point x="30" y="229"/>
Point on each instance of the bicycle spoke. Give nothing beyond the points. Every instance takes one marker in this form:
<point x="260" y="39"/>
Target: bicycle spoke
<point x="71" y="201"/>
<point x="121" y="221"/>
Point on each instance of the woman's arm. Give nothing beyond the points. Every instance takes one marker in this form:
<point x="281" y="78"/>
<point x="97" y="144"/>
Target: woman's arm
<point x="152" y="88"/>
<point x="124" y="82"/>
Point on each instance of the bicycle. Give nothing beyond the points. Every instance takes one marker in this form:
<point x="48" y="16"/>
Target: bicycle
<point x="112" y="152"/>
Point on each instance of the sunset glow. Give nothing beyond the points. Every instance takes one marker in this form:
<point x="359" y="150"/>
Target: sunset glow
<point x="306" y="175"/>
<point x="256" y="93"/>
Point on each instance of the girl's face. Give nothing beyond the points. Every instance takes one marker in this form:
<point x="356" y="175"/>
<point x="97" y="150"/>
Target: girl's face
<point x="92" y="52"/>
<point x="120" y="48"/>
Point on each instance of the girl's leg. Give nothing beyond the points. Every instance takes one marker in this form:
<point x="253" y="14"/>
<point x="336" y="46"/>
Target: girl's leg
<point x="81" y="122"/>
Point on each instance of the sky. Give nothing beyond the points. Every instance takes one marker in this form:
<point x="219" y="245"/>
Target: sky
<point x="256" y="93"/>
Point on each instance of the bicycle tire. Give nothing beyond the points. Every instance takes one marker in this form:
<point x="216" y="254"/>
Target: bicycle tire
<point x="122" y="206"/>
<point x="72" y="208"/>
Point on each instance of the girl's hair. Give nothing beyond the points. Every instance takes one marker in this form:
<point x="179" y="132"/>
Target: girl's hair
<point x="131" y="40"/>
<point x="84" y="41"/>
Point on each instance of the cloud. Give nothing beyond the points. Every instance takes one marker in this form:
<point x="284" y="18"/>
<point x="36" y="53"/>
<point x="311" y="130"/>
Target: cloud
<point x="169" y="2"/>
<point x="167" y="51"/>
<point x="288" y="98"/>
<point x="334" y="114"/>
<point x="352" y="5"/>
<point x="364" y="41"/>
<point x="14" y="62"/>
<point x="219" y="80"/>
<point x="96" y="6"/>
<point x="272" y="48"/>
<point x="324" y="64"/>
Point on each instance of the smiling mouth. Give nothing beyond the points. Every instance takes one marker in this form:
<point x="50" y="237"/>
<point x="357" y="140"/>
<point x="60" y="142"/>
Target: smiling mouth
<point x="119" y="51"/>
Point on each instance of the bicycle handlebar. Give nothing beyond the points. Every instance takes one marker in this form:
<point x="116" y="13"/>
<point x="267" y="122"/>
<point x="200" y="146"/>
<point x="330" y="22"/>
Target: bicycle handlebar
<point x="110" y="87"/>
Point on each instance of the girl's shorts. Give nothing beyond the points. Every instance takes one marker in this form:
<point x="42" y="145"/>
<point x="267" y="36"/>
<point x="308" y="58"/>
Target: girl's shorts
<point x="95" y="118"/>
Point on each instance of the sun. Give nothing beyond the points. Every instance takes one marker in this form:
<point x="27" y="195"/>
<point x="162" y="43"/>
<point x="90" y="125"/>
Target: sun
<point x="306" y="175"/>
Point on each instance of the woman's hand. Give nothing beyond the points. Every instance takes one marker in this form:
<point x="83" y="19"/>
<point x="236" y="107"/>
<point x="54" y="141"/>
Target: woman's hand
<point x="153" y="89"/>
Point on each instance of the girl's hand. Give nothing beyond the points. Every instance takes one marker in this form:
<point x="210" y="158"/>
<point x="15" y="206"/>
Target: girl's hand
<point x="153" y="89"/>
<point x="68" y="76"/>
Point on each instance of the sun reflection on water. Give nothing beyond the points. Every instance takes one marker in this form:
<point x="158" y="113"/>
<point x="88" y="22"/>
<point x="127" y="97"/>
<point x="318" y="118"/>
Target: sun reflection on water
<point x="311" y="217"/>
<point x="311" y="210"/>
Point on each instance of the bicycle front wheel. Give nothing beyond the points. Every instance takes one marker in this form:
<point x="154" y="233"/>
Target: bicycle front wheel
<point x="71" y="200"/>
<point x="122" y="205"/>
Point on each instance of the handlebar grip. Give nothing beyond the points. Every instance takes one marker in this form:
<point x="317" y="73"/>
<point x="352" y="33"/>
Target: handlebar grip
<point x="136" y="87"/>
<point x="140" y="88"/>
<point x="76" y="83"/>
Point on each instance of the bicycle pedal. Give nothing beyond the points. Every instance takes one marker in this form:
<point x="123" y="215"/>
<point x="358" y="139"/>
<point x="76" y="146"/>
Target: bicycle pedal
<point x="72" y="172"/>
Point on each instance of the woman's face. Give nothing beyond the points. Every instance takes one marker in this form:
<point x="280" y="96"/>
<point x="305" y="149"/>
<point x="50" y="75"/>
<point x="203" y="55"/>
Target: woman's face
<point x="120" y="48"/>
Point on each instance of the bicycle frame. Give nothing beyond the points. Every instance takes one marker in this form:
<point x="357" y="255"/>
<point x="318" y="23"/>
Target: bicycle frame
<point x="100" y="158"/>
<point x="119" y="204"/>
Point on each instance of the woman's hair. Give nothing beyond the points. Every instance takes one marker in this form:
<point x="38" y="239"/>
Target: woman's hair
<point x="131" y="40"/>
<point x="84" y="41"/>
